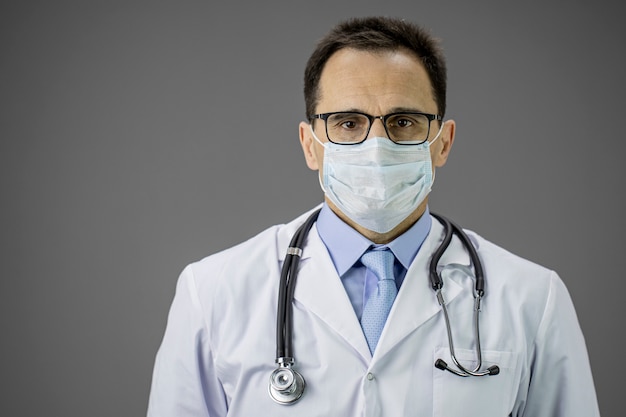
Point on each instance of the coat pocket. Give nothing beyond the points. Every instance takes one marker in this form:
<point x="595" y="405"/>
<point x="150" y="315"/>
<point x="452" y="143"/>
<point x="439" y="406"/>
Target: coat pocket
<point x="485" y="396"/>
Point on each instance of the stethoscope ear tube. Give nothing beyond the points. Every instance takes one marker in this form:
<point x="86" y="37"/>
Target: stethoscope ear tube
<point x="492" y="370"/>
<point x="476" y="263"/>
<point x="435" y="280"/>
<point x="451" y="228"/>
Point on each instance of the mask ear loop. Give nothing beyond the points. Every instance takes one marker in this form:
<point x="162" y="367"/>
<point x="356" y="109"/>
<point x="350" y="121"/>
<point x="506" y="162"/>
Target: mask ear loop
<point x="319" y="171"/>
<point x="319" y="179"/>
<point x="315" y="136"/>
<point x="438" y="134"/>
<point x="433" y="141"/>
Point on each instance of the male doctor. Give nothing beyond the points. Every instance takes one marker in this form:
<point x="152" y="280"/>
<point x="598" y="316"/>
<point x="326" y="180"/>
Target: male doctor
<point x="367" y="327"/>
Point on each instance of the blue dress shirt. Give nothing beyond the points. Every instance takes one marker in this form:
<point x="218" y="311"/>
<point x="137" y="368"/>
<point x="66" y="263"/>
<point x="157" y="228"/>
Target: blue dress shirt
<point x="345" y="246"/>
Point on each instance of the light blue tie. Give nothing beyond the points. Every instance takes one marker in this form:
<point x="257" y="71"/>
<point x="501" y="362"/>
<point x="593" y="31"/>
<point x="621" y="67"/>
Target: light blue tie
<point x="379" y="303"/>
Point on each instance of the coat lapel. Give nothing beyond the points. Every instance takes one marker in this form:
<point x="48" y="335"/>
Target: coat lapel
<point x="320" y="290"/>
<point x="416" y="302"/>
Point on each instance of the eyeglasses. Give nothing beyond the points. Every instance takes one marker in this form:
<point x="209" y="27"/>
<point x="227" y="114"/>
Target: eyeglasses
<point x="350" y="128"/>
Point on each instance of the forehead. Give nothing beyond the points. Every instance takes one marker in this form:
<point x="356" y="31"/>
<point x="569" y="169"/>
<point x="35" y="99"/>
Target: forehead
<point x="376" y="82"/>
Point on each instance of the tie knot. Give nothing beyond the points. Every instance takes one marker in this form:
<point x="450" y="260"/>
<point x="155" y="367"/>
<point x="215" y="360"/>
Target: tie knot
<point x="380" y="262"/>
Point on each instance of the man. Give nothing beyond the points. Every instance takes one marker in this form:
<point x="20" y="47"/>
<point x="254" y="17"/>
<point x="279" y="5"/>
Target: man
<point x="369" y="334"/>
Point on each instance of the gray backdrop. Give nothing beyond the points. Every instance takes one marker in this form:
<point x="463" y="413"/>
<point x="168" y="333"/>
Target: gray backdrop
<point x="138" y="137"/>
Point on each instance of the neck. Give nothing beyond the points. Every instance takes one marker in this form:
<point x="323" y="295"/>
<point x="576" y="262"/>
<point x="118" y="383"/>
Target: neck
<point x="382" y="238"/>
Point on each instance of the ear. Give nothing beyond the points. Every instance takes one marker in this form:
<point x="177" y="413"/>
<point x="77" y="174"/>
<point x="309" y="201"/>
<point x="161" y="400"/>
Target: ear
<point x="308" y="144"/>
<point x="441" y="152"/>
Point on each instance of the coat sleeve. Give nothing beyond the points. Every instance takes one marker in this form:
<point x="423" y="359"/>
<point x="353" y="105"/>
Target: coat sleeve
<point x="561" y="384"/>
<point x="184" y="381"/>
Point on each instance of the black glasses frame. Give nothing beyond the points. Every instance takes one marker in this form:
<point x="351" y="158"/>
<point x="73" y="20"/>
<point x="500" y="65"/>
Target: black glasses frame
<point x="383" y="119"/>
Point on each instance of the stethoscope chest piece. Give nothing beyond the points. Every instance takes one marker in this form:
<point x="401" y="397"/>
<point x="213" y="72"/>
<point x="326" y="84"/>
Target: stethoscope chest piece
<point x="286" y="385"/>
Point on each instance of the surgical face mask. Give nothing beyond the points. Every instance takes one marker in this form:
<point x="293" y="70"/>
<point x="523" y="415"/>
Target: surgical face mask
<point x="377" y="183"/>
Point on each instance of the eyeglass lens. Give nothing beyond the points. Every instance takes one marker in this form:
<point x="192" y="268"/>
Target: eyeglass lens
<point x="349" y="128"/>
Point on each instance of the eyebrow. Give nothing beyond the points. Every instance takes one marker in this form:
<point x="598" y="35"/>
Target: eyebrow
<point x="392" y="110"/>
<point x="406" y="110"/>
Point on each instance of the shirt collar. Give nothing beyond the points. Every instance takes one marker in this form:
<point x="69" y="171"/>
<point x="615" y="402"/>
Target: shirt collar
<point x="345" y="245"/>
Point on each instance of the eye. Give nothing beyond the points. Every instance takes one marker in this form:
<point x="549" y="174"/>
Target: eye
<point x="348" y="124"/>
<point x="404" y="123"/>
<point x="407" y="121"/>
<point x="347" y="121"/>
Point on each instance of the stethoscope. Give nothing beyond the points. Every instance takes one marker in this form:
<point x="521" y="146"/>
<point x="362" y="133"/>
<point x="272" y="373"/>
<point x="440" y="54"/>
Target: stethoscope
<point x="287" y="385"/>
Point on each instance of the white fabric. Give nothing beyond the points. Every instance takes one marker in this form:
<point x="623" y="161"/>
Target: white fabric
<point x="219" y="346"/>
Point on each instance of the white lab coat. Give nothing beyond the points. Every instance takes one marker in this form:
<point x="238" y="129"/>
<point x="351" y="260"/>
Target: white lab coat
<point x="219" y="346"/>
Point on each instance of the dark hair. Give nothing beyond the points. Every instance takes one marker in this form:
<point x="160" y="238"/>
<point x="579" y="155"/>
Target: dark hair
<point x="377" y="34"/>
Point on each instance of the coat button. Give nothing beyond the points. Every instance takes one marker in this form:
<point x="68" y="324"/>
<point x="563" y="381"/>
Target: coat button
<point x="370" y="376"/>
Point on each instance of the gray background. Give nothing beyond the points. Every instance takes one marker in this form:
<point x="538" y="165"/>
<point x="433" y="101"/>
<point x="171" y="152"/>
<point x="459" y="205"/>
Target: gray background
<point x="137" y="137"/>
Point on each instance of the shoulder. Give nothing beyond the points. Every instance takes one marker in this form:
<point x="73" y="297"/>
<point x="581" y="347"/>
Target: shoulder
<point x="256" y="256"/>
<point x="518" y="282"/>
<point x="510" y="263"/>
<point x="235" y="284"/>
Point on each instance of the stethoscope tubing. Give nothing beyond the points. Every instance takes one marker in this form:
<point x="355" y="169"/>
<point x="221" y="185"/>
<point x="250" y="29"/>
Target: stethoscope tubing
<point x="479" y="290"/>
<point x="451" y="228"/>
<point x="287" y="287"/>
